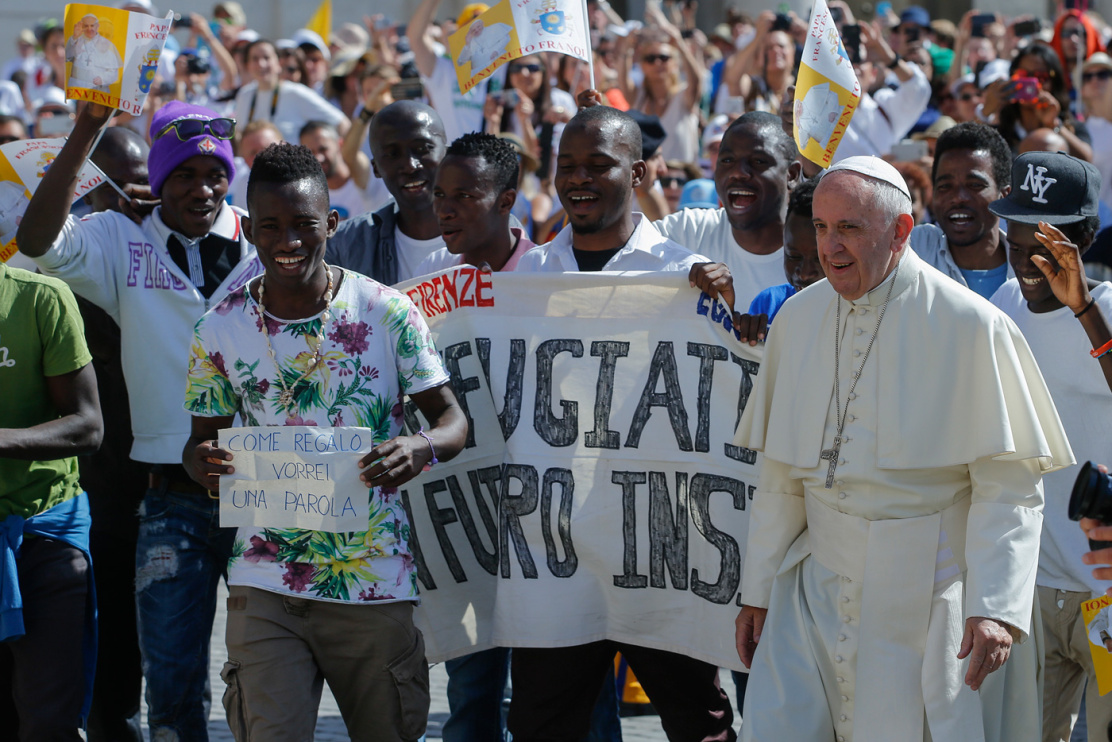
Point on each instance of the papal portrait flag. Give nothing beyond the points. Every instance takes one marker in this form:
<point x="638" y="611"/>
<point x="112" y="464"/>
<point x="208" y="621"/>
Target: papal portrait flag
<point x="518" y="28"/>
<point x="826" y="90"/>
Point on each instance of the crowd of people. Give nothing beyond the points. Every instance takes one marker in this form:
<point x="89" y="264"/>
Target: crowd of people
<point x="277" y="189"/>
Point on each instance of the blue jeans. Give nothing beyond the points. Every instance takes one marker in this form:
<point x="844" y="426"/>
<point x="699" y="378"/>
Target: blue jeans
<point x="476" y="686"/>
<point x="181" y="556"/>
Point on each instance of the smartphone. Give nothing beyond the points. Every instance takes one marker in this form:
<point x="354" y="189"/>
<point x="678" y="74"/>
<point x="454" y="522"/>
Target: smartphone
<point x="912" y="34"/>
<point x="979" y="22"/>
<point x="783" y="22"/>
<point x="851" y="40"/>
<point x="183" y="21"/>
<point x="510" y="98"/>
<point x="54" y="126"/>
<point x="383" y="23"/>
<point x="1026" y="90"/>
<point x="837" y="15"/>
<point x="408" y="89"/>
<point x="909" y="150"/>
<point x="1027" y="28"/>
<point x="1082" y="5"/>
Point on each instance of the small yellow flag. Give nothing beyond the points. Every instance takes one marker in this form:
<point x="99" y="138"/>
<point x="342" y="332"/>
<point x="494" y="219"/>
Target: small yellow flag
<point x="321" y="22"/>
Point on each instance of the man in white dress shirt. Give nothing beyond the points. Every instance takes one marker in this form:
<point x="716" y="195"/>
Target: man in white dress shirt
<point x="894" y="535"/>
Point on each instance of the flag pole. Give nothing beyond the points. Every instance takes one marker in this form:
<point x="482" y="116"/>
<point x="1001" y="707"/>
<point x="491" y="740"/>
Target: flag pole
<point x="100" y="135"/>
<point x="590" y="49"/>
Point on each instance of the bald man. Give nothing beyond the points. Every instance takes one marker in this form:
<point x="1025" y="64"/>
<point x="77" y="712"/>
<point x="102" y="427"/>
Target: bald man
<point x="407" y="143"/>
<point x="115" y="483"/>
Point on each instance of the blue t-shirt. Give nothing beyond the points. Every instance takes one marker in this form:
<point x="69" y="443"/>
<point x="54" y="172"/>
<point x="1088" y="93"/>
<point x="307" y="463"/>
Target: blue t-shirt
<point x="985" y="283"/>
<point x="770" y="300"/>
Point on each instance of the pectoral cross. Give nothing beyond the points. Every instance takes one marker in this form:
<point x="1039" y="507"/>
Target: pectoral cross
<point x="831" y="454"/>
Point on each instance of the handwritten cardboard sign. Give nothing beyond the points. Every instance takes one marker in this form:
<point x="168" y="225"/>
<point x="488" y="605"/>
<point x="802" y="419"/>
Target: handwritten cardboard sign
<point x="296" y="477"/>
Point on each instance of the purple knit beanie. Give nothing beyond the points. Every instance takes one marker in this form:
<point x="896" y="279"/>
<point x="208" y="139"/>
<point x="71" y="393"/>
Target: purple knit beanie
<point x="168" y="151"/>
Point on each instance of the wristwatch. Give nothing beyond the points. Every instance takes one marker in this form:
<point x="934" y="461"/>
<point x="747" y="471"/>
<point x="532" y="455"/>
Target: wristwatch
<point x="365" y="115"/>
<point x="895" y="61"/>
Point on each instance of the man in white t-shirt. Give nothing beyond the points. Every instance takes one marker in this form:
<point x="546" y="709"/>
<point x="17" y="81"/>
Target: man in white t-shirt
<point x="407" y="144"/>
<point x="756" y="168"/>
<point x="1052" y="217"/>
<point x="346" y="198"/>
<point x="461" y="112"/>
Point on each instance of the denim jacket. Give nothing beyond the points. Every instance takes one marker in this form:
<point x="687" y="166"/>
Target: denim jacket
<point x="365" y="244"/>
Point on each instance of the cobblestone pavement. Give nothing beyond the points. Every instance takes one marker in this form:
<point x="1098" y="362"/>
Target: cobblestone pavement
<point x="330" y="726"/>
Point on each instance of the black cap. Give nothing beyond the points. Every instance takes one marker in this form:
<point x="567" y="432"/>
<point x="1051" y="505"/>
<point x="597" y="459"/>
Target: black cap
<point x="1051" y="187"/>
<point x="652" y="132"/>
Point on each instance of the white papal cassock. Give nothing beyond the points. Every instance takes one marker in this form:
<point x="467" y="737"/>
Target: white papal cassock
<point x="934" y="516"/>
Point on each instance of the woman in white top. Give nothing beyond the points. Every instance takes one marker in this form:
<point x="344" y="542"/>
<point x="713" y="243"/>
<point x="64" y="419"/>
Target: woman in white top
<point x="757" y="77"/>
<point x="664" y="94"/>
<point x="532" y="108"/>
<point x="289" y="105"/>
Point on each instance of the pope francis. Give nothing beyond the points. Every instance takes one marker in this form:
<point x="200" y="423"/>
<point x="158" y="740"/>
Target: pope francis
<point x="894" y="537"/>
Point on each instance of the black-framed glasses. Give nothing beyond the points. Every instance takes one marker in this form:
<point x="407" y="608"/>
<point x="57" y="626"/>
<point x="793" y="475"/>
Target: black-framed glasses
<point x="186" y="129"/>
<point x="654" y="58"/>
<point x="519" y="68"/>
<point x="672" y="181"/>
<point x="1098" y="75"/>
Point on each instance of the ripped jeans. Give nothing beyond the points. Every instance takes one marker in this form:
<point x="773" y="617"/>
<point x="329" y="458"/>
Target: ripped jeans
<point x="180" y="558"/>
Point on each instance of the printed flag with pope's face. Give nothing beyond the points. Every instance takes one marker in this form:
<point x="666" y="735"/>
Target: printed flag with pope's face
<point x="509" y="30"/>
<point x="112" y="55"/>
<point x="22" y="165"/>
<point x="826" y="90"/>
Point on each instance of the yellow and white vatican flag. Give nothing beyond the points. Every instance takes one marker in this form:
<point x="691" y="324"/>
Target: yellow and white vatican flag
<point x="112" y="55"/>
<point x="517" y="28"/>
<point x="22" y="165"/>
<point x="826" y="90"/>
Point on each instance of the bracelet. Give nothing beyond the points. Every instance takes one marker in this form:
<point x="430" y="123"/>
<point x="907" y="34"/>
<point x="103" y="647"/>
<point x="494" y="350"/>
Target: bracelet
<point x="366" y="115"/>
<point x="1087" y="308"/>
<point x="1102" y="350"/>
<point x="895" y="61"/>
<point x="432" y="450"/>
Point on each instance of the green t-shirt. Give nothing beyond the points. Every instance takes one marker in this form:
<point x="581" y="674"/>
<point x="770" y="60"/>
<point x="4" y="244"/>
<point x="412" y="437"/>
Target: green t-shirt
<point x="41" y="335"/>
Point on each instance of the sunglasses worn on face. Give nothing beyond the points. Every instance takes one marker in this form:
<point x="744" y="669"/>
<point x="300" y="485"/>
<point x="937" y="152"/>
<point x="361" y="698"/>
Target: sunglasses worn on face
<point x="672" y="181"/>
<point x="654" y="58"/>
<point x="186" y="129"/>
<point x="1098" y="75"/>
<point x="293" y="70"/>
<point x="523" y="68"/>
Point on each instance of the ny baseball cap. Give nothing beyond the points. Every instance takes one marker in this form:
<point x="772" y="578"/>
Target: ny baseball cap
<point x="1051" y="187"/>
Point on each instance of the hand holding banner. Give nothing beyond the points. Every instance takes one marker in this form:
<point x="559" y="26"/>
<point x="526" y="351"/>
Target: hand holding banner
<point x="22" y="164"/>
<point x="98" y="41"/>
<point x="826" y="90"/>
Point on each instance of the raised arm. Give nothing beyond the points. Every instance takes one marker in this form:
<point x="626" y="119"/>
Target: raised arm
<point x="693" y="93"/>
<point x="223" y="58"/>
<point x="49" y="207"/>
<point x="419" y="40"/>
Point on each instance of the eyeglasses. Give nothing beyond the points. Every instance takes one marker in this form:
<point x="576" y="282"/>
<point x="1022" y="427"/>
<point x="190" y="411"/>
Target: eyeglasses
<point x="966" y="97"/>
<point x="672" y="181"/>
<point x="1098" y="75"/>
<point x="523" y="68"/>
<point x="1041" y="76"/>
<point x="186" y="129"/>
<point x="293" y="70"/>
<point x="654" y="58"/>
<point x="1069" y="33"/>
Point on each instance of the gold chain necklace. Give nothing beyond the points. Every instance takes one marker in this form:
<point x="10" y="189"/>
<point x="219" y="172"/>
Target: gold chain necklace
<point x="285" y="399"/>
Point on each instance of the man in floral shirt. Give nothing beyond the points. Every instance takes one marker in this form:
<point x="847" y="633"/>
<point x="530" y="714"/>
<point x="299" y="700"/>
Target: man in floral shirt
<point x="310" y="344"/>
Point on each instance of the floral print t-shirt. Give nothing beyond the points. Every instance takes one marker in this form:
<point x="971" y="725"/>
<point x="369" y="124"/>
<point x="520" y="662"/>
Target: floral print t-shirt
<point x="377" y="348"/>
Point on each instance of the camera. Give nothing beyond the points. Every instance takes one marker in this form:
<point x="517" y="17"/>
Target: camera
<point x="1092" y="498"/>
<point x="783" y="22"/>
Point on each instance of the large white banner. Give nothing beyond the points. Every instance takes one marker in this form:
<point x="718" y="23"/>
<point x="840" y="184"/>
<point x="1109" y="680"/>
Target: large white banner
<point x="599" y="495"/>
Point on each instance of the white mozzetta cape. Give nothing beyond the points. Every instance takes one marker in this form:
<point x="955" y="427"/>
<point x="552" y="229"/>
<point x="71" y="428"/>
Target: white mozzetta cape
<point x="935" y="516"/>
